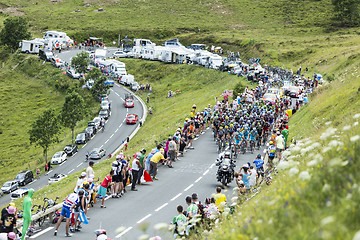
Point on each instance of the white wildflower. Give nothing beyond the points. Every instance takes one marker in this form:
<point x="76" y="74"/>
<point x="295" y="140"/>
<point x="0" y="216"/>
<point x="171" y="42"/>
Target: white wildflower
<point x="315" y="145"/>
<point x="337" y="162"/>
<point x="312" y="163"/>
<point x="348" y="196"/>
<point x="260" y="221"/>
<point x="234" y="199"/>
<point x="225" y="214"/>
<point x="233" y="204"/>
<point x="235" y="189"/>
<point x="335" y="143"/>
<point x="286" y="153"/>
<point x="160" y="226"/>
<point x="355" y="124"/>
<point x="308" y="142"/>
<point x="326" y="187"/>
<point x="304" y="176"/>
<point x="296" y="149"/>
<point x="327" y="220"/>
<point x="227" y="209"/>
<point x="328" y="123"/>
<point x="144" y="237"/>
<point x="325" y="149"/>
<point x="328" y="204"/>
<point x="357" y="236"/>
<point x="270" y="221"/>
<point x="346" y="128"/>
<point x="355" y="138"/>
<point x="293" y="171"/>
<point x="356" y="116"/>
<point x="283" y="165"/>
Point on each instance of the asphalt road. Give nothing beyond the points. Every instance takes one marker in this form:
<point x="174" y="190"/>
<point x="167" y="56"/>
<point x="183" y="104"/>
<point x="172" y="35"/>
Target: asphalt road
<point x="156" y="202"/>
<point x="116" y="131"/>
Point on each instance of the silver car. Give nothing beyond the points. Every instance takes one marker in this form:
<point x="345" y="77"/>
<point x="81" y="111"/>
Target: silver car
<point x="97" y="153"/>
<point x="10" y="186"/>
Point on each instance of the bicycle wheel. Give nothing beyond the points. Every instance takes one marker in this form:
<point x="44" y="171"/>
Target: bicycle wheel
<point x="41" y="221"/>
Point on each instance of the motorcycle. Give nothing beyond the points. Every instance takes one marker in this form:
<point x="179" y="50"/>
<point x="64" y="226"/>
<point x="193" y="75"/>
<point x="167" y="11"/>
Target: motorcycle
<point x="101" y="234"/>
<point x="225" y="173"/>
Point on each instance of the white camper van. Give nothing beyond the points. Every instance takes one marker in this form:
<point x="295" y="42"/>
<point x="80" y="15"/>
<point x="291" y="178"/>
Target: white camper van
<point x="142" y="47"/>
<point x="100" y="54"/>
<point x="55" y="39"/>
<point x="31" y="46"/>
<point x="116" y="68"/>
<point x="215" y="61"/>
<point x="127" y="80"/>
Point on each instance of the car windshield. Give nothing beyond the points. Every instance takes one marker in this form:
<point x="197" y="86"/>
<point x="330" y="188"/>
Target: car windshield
<point x="129" y="101"/>
<point x="103" y="112"/>
<point x="81" y="135"/>
<point x="7" y="184"/>
<point x="94" y="152"/>
<point x="68" y="148"/>
<point x="20" y="176"/>
<point x="131" y="117"/>
<point x="56" y="155"/>
<point x="104" y="104"/>
<point x="96" y="120"/>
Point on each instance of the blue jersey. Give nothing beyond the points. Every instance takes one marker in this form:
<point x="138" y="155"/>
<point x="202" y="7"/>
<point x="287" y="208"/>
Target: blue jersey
<point x="246" y="133"/>
<point x="258" y="163"/>
<point x="252" y="135"/>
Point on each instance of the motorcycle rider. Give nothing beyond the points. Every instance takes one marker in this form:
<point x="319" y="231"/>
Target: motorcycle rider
<point x="225" y="160"/>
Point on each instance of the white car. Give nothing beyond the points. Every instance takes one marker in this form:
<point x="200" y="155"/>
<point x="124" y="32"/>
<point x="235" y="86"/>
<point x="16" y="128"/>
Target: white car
<point x="104" y="105"/>
<point x="97" y="121"/>
<point x="59" y="157"/>
<point x="119" y="54"/>
<point x="56" y="178"/>
<point x="10" y="186"/>
<point x="19" y="193"/>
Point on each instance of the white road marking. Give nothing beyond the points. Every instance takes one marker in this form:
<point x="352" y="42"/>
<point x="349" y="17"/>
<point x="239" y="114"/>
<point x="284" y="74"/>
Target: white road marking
<point x="124" y="232"/>
<point x="122" y="99"/>
<point x="206" y="172"/>
<point x="176" y="197"/>
<point x="33" y="181"/>
<point x="49" y="171"/>
<point x="121" y="124"/>
<point x="71" y="171"/>
<point x="124" y="120"/>
<point x="116" y="130"/>
<point x="101" y="146"/>
<point x="127" y="110"/>
<point x="212" y="165"/>
<point x="109" y="196"/>
<point x="111" y="136"/>
<point x="196" y="139"/>
<point x="116" y="93"/>
<point x="84" y="144"/>
<point x="188" y="187"/>
<point x="41" y="233"/>
<point x="74" y="154"/>
<point x="161" y="207"/>
<point x="79" y="165"/>
<point x="106" y="141"/>
<point x="197" y="180"/>
<point x="144" y="218"/>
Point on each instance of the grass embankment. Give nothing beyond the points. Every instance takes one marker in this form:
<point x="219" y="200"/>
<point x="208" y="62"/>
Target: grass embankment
<point x="27" y="88"/>
<point x="198" y="86"/>
<point x="316" y="193"/>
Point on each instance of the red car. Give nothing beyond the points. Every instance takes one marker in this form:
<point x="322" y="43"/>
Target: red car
<point x="129" y="103"/>
<point x="131" y="119"/>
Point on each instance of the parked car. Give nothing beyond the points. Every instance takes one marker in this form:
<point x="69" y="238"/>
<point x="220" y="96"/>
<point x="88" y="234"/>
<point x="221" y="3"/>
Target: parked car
<point x="59" y="157"/>
<point x="104" y="114"/>
<point x="10" y="186"/>
<point x="24" y="177"/>
<point x="71" y="149"/>
<point x="104" y="105"/>
<point x="56" y="178"/>
<point x="119" y="54"/>
<point x="82" y="138"/>
<point x="97" y="153"/>
<point x="19" y="193"/>
<point x="134" y="86"/>
<point x="71" y="73"/>
<point x="131" y="118"/>
<point x="109" y="82"/>
<point x="97" y="121"/>
<point x="89" y="131"/>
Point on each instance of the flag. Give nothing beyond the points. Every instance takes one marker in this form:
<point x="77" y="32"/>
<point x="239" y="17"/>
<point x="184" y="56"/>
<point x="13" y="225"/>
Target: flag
<point x="82" y="217"/>
<point x="147" y="177"/>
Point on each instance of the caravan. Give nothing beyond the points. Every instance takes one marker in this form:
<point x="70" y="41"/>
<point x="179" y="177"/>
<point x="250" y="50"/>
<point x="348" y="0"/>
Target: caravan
<point x="116" y="68"/>
<point x="215" y="61"/>
<point x="142" y="47"/>
<point x="32" y="46"/>
<point x="57" y="40"/>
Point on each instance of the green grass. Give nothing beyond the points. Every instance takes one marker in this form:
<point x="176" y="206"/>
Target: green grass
<point x="27" y="88"/>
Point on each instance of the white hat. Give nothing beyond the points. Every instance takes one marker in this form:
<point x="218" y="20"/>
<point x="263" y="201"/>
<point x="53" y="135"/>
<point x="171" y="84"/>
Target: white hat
<point x="83" y="174"/>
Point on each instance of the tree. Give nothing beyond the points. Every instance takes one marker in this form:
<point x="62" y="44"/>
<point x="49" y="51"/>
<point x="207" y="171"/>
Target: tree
<point x="73" y="111"/>
<point x="80" y="62"/>
<point x="15" y="29"/>
<point x="99" y="87"/>
<point x="45" y="130"/>
<point x="347" y="12"/>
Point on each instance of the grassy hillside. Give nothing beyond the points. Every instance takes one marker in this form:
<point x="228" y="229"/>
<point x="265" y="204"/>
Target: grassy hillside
<point x="316" y="193"/>
<point x="27" y="88"/>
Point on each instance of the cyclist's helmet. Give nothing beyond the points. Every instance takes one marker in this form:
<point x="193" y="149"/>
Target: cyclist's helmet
<point x="226" y="127"/>
<point x="221" y="127"/>
<point x="231" y="125"/>
<point x="271" y="142"/>
<point x="226" y="117"/>
<point x="259" y="156"/>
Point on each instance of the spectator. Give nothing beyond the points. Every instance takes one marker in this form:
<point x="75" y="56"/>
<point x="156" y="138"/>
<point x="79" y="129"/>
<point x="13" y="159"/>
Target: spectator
<point x="90" y="170"/>
<point x="171" y="152"/>
<point x="69" y="203"/>
<point x="8" y="220"/>
<point x="80" y="182"/>
<point x="135" y="171"/>
<point x="280" y="144"/>
<point x="220" y="198"/>
<point x="103" y="187"/>
<point x="154" y="161"/>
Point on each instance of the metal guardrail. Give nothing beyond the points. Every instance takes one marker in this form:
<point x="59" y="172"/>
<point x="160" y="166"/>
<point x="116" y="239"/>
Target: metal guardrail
<point x="48" y="212"/>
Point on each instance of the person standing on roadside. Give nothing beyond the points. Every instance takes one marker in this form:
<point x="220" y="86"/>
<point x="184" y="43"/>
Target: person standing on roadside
<point x="103" y="187"/>
<point x="280" y="145"/>
<point x="172" y="152"/>
<point x="219" y="198"/>
<point x="115" y="188"/>
<point x="285" y="133"/>
<point x="69" y="203"/>
<point x="90" y="170"/>
<point x="135" y="167"/>
<point x="142" y="163"/>
<point x="154" y="161"/>
<point x="80" y="182"/>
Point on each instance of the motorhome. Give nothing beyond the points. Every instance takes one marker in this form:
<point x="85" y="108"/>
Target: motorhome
<point x="55" y="39"/>
<point x="100" y="54"/>
<point x="142" y="47"/>
<point x="215" y="61"/>
<point x="116" y="68"/>
<point x="32" y="46"/>
<point x="127" y="79"/>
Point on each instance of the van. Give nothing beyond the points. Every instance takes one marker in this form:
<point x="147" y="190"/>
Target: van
<point x="24" y="177"/>
<point x="31" y="46"/>
<point x="45" y="55"/>
<point x="127" y="80"/>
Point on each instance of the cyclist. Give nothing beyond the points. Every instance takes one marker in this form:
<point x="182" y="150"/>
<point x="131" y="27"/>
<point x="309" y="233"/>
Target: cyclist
<point x="246" y="135"/>
<point x="271" y="152"/>
<point x="252" y="136"/>
<point x="259" y="165"/>
<point x="102" y="124"/>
